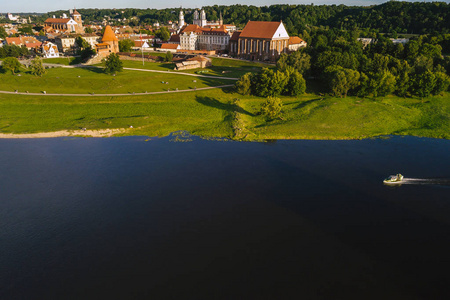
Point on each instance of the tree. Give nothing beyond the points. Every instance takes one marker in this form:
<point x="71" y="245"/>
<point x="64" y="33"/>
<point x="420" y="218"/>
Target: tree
<point x="298" y="60"/>
<point x="168" y="57"/>
<point x="37" y="68"/>
<point x="86" y="53"/>
<point x="88" y="30"/>
<point x="113" y="64"/>
<point x="3" y="33"/>
<point x="424" y="84"/>
<point x="244" y="84"/>
<point x="81" y="43"/>
<point x="442" y="83"/>
<point x="163" y="34"/>
<point x="341" y="80"/>
<point x="296" y="85"/>
<point x="125" y="45"/>
<point x="271" y="108"/>
<point x="11" y="64"/>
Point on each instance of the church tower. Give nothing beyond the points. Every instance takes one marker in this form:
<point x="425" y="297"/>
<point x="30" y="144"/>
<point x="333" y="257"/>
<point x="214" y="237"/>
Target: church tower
<point x="181" y="20"/>
<point x="220" y="19"/>
<point x="202" y="18"/>
<point x="76" y="16"/>
<point x="196" y="20"/>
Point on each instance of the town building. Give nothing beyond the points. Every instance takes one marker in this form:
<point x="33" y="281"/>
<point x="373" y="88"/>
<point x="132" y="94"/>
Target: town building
<point x="296" y="43"/>
<point x="28" y="41"/>
<point x="194" y="37"/>
<point x="166" y="47"/>
<point x="50" y="50"/>
<point x="66" y="42"/>
<point x="260" y="40"/>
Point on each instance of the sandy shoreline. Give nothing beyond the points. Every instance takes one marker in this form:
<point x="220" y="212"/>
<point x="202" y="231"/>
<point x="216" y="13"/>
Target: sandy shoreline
<point x="63" y="133"/>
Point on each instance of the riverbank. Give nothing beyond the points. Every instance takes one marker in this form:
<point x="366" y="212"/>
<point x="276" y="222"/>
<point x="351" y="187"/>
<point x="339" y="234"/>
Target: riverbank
<point x="63" y="133"/>
<point x="217" y="114"/>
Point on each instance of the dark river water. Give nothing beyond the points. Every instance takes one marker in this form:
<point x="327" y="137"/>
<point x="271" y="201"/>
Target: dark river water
<point x="130" y="218"/>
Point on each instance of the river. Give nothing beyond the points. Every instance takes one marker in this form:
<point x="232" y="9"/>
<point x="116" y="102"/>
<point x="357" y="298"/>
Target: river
<point x="186" y="218"/>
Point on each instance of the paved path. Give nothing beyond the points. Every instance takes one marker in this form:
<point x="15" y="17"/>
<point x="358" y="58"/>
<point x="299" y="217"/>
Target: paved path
<point x="123" y="94"/>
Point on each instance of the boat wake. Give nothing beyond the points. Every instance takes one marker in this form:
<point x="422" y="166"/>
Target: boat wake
<point x="424" y="181"/>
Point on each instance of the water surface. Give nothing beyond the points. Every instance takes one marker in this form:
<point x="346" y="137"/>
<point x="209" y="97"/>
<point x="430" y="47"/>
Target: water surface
<point x="124" y="218"/>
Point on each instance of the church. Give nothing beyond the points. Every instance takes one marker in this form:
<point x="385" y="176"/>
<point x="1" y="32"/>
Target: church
<point x="260" y="40"/>
<point x="65" y="24"/>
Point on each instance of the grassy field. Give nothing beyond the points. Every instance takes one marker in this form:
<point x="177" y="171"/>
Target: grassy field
<point x="93" y="80"/>
<point x="213" y="113"/>
<point x="62" y="60"/>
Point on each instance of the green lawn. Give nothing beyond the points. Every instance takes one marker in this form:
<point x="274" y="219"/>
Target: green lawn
<point x="221" y="67"/>
<point x="211" y="113"/>
<point x="93" y="80"/>
<point x="63" y="60"/>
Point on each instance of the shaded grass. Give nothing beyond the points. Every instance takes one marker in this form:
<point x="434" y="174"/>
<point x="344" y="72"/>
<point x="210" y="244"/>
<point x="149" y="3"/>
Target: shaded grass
<point x="63" y="60"/>
<point x="210" y="114"/>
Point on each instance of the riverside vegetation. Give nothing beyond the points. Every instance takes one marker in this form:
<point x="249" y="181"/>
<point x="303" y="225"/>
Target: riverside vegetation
<point x="209" y="113"/>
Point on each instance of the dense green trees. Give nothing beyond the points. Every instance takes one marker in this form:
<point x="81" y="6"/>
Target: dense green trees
<point x="273" y="83"/>
<point x="125" y="45"/>
<point x="13" y="51"/>
<point x="394" y="16"/>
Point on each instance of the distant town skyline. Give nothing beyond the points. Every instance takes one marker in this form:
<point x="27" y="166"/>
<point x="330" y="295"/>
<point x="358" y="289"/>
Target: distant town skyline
<point x="43" y="6"/>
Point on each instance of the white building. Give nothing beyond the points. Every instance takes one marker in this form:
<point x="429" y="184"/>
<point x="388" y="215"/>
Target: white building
<point x="50" y="50"/>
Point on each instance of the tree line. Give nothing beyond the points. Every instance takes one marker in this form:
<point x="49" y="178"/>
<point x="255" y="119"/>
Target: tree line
<point x="345" y="66"/>
<point x="392" y="16"/>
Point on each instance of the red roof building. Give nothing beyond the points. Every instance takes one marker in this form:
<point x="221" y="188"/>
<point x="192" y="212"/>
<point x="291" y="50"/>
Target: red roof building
<point x="260" y="40"/>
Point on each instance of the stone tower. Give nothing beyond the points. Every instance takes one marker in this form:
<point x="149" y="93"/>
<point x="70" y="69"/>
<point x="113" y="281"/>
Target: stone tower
<point x="76" y="16"/>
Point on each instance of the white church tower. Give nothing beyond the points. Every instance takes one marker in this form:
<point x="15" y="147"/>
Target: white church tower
<point x="203" y="18"/>
<point x="181" y="20"/>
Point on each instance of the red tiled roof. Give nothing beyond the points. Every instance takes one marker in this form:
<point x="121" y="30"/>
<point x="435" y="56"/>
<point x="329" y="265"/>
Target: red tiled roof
<point x="295" y="40"/>
<point x="57" y="20"/>
<point x="14" y="41"/>
<point x="260" y="29"/>
<point x="33" y="45"/>
<point x="174" y="38"/>
<point x="170" y="46"/>
<point x="190" y="28"/>
<point x="139" y="43"/>
<point x="235" y="36"/>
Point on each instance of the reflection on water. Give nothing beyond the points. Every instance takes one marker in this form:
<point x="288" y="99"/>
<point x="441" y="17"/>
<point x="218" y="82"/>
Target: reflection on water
<point x="439" y="181"/>
<point x="122" y="218"/>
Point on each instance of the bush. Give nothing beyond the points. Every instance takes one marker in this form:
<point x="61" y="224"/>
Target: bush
<point x="271" y="108"/>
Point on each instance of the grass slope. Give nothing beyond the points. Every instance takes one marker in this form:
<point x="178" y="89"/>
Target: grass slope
<point x="210" y="114"/>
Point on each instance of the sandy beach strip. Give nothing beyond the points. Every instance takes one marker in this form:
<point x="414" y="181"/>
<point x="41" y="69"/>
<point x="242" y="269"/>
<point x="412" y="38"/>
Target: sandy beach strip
<point x="63" y="133"/>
